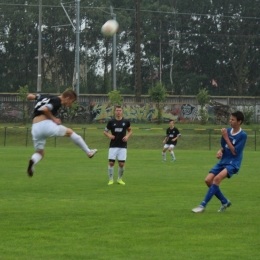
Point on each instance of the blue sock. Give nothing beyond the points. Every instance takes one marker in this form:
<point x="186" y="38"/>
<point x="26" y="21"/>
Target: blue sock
<point x="220" y="196"/>
<point x="211" y="192"/>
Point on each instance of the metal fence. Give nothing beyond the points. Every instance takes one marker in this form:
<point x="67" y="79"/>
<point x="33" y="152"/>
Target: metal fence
<point x="191" y="139"/>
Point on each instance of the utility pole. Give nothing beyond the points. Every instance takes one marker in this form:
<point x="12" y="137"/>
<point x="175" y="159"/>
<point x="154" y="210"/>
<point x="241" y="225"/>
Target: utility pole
<point x="39" y="77"/>
<point x="160" y="53"/>
<point x="77" y="29"/>
<point x="138" y="86"/>
<point x="114" y="51"/>
<point x="77" y="45"/>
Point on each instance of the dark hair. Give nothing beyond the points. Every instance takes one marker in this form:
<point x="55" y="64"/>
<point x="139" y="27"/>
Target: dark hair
<point x="117" y="106"/>
<point x="238" y="115"/>
<point x="70" y="93"/>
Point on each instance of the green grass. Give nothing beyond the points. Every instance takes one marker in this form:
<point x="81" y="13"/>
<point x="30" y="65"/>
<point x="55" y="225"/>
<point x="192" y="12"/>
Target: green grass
<point x="67" y="210"/>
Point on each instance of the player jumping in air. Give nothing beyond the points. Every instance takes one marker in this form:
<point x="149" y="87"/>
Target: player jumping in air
<point x="46" y="124"/>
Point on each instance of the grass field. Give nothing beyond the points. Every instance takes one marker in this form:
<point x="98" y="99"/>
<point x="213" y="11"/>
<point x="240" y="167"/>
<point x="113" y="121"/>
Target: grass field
<point x="67" y="210"/>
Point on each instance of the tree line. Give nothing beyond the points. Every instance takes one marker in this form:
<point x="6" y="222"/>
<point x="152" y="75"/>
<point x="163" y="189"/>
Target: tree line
<point x="186" y="46"/>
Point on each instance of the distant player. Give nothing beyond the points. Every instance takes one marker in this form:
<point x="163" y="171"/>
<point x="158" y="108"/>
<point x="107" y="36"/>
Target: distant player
<point x="170" y="141"/>
<point x="118" y="144"/>
<point x="46" y="124"/>
<point x="232" y="142"/>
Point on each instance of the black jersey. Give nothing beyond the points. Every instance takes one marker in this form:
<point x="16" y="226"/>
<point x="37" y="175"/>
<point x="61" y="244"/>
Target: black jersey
<point x="118" y="128"/>
<point x="52" y="102"/>
<point x="171" y="134"/>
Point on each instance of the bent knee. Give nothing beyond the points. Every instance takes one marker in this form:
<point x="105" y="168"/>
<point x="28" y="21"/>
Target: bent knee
<point x="69" y="132"/>
<point x="41" y="152"/>
<point x="208" y="182"/>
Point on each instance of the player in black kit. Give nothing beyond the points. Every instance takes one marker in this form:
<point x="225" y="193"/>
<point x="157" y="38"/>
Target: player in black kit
<point x="170" y="141"/>
<point x="46" y="124"/>
<point x="118" y="144"/>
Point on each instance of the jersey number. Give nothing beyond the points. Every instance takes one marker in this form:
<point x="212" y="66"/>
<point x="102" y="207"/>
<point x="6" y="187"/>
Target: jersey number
<point x="42" y="102"/>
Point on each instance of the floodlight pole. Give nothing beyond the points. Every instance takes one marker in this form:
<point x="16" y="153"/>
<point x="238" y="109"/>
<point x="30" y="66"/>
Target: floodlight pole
<point x="77" y="29"/>
<point x="39" y="75"/>
<point x="77" y="45"/>
<point x="114" y="51"/>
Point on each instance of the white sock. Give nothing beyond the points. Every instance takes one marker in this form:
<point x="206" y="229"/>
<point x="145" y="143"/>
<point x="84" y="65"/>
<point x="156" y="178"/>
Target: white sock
<point x="120" y="172"/>
<point x="36" y="157"/>
<point x="164" y="156"/>
<point x="111" y="172"/>
<point x="78" y="140"/>
<point x="172" y="154"/>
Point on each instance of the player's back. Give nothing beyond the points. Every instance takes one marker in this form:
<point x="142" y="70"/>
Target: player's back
<point x="52" y="102"/>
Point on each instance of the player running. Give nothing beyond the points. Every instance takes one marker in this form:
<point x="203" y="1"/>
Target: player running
<point x="170" y="141"/>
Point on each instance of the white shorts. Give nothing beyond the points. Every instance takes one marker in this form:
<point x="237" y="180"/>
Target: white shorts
<point x="44" y="129"/>
<point x="117" y="153"/>
<point x="166" y="146"/>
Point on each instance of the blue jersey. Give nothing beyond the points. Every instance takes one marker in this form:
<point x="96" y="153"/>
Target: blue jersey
<point x="238" y="140"/>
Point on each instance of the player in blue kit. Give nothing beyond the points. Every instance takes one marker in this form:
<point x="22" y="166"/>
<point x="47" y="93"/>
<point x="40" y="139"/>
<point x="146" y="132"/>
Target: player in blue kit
<point x="46" y="124"/>
<point x="232" y="142"/>
<point x="118" y="144"/>
<point x="170" y="141"/>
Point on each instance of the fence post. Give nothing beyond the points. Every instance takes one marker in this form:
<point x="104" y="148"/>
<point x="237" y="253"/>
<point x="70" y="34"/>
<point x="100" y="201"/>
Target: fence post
<point x="210" y="138"/>
<point x="27" y="129"/>
<point x="255" y="140"/>
<point x="5" y="136"/>
<point x="84" y="133"/>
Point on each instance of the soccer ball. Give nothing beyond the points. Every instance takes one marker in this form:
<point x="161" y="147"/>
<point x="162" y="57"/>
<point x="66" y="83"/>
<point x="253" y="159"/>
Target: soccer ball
<point x="110" y="28"/>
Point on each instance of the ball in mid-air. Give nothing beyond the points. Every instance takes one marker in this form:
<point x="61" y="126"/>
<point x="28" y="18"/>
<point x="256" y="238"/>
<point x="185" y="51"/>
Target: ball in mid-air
<point x="110" y="28"/>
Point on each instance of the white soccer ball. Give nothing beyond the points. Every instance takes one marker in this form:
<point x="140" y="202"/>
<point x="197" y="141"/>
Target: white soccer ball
<point x="110" y="28"/>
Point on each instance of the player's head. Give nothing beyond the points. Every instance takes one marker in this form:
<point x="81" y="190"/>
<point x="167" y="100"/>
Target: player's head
<point x="171" y="122"/>
<point x="239" y="116"/>
<point x="68" y="97"/>
<point x="118" y="107"/>
<point x="118" y="111"/>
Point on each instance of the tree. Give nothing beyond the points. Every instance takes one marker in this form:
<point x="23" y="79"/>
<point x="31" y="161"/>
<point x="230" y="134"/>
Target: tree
<point x="18" y="46"/>
<point x="203" y="99"/>
<point x="158" y="94"/>
<point x="183" y="45"/>
<point x="115" y="97"/>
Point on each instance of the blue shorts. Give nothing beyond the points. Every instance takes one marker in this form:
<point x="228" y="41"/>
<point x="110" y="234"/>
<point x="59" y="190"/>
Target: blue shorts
<point x="220" y="167"/>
